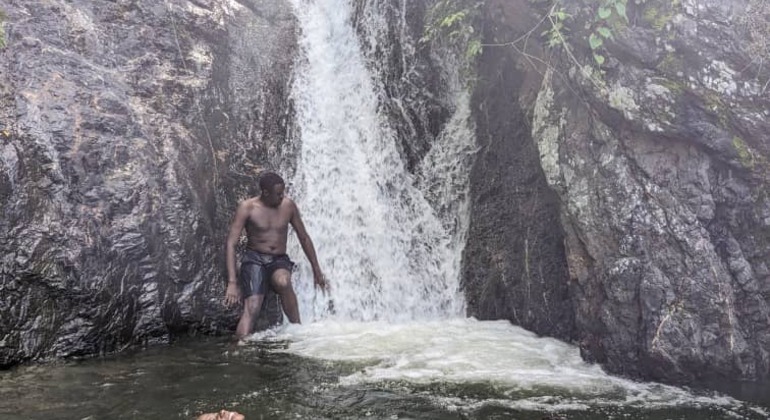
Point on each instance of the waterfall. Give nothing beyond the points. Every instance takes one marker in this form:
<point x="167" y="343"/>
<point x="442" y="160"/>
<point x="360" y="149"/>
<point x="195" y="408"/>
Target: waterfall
<point x="388" y="241"/>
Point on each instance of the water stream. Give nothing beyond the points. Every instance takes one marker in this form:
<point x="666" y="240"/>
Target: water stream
<point x="458" y="369"/>
<point x="389" y="252"/>
<point x="390" y="340"/>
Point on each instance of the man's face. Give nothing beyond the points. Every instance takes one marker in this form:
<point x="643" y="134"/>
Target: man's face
<point x="274" y="198"/>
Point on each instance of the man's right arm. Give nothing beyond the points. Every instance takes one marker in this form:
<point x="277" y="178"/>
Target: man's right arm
<point x="232" y="294"/>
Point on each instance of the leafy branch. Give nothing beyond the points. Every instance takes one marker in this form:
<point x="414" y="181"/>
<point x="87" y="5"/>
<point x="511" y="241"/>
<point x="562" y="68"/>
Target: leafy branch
<point x="556" y="37"/>
<point x="452" y="21"/>
<point x="605" y="16"/>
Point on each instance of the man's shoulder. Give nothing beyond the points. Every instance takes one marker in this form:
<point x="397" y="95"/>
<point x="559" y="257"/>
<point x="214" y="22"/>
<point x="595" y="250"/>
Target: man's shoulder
<point x="288" y="204"/>
<point x="249" y="203"/>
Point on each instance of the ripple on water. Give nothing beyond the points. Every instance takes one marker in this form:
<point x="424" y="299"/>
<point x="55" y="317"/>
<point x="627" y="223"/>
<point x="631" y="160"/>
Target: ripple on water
<point x="466" y="365"/>
<point x="455" y="369"/>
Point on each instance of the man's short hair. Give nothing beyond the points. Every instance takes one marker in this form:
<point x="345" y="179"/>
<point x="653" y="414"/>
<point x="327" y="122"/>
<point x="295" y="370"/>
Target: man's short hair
<point x="268" y="180"/>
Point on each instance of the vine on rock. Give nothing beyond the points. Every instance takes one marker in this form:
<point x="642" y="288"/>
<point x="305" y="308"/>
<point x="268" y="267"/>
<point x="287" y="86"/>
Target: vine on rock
<point x="603" y="20"/>
<point x="452" y="21"/>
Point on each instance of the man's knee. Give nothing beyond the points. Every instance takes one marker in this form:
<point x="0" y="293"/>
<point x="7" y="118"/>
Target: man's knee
<point x="282" y="281"/>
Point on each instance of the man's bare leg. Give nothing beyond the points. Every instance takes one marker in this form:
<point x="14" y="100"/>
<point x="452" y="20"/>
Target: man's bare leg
<point x="282" y="285"/>
<point x="251" y="307"/>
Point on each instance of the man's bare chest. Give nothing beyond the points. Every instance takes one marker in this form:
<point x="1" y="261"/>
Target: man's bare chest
<point x="262" y="219"/>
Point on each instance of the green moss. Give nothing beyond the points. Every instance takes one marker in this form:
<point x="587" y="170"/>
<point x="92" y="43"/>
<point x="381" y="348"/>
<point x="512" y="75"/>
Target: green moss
<point x="714" y="103"/>
<point x="658" y="19"/>
<point x="671" y="64"/>
<point x="753" y="161"/>
<point x="745" y="154"/>
<point x="675" y="87"/>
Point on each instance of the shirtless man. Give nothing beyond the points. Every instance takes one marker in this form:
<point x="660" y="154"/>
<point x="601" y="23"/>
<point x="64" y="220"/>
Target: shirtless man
<point x="266" y="219"/>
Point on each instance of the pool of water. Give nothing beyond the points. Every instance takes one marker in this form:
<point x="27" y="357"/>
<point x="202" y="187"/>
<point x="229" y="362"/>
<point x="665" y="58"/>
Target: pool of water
<point x="457" y="369"/>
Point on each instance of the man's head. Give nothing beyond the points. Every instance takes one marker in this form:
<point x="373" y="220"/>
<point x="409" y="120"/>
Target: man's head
<point x="272" y="187"/>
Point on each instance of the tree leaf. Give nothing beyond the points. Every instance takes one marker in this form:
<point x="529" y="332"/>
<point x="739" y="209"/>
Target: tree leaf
<point x="605" y="32"/>
<point x="621" y="9"/>
<point x="599" y="59"/>
<point x="604" y="13"/>
<point x="473" y="49"/>
<point x="594" y="41"/>
<point x="554" y="41"/>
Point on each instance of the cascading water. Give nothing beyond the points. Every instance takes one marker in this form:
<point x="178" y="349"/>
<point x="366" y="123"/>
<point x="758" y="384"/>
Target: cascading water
<point x="389" y="253"/>
<point x="391" y="242"/>
<point x="396" y="345"/>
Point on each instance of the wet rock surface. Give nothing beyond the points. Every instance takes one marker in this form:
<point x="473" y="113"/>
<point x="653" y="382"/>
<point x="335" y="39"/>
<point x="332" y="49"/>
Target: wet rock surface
<point x="660" y="164"/>
<point x="128" y="132"/>
<point x="514" y="265"/>
<point x="411" y="79"/>
<point x="626" y="210"/>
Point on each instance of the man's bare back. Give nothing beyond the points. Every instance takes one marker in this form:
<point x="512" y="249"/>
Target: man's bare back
<point x="266" y="219"/>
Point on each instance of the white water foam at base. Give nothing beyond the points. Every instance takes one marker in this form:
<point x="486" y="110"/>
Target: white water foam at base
<point x="524" y="371"/>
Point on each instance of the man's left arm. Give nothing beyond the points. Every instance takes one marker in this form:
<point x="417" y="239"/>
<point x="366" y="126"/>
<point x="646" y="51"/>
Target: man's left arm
<point x="307" y="246"/>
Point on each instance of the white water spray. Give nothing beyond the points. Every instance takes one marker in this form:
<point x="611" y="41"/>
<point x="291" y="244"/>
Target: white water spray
<point x="390" y="242"/>
<point x="389" y="253"/>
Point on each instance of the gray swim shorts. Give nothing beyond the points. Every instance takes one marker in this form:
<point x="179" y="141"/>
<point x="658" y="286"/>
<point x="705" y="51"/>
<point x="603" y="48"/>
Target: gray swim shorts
<point x="257" y="269"/>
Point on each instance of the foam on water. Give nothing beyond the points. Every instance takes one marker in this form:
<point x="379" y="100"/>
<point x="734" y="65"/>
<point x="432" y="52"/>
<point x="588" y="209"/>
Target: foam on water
<point x="525" y="371"/>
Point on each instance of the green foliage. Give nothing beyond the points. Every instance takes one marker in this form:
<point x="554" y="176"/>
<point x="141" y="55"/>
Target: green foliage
<point x="601" y="26"/>
<point x="603" y="19"/>
<point x="452" y="21"/>
<point x="556" y="34"/>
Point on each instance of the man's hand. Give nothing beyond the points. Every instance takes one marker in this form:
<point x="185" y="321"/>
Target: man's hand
<point x="320" y="280"/>
<point x="233" y="294"/>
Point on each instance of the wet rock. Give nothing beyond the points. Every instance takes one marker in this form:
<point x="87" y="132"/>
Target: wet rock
<point x="514" y="264"/>
<point x="130" y="130"/>
<point x="660" y="166"/>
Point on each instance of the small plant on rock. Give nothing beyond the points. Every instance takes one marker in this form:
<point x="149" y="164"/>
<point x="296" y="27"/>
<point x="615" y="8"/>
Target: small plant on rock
<point x="604" y="19"/>
<point x="452" y="21"/>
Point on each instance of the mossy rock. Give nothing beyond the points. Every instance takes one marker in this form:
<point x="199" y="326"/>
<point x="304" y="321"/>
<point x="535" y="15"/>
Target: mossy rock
<point x="745" y="155"/>
<point x="671" y="64"/>
<point x="657" y="18"/>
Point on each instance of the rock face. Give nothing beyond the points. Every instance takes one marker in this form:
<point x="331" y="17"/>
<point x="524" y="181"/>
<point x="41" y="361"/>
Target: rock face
<point x="128" y="132"/>
<point x="413" y="85"/>
<point x="514" y="265"/>
<point x="621" y="205"/>
<point x="660" y="161"/>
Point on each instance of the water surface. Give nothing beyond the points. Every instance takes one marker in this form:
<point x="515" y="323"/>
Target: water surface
<point x="456" y="369"/>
